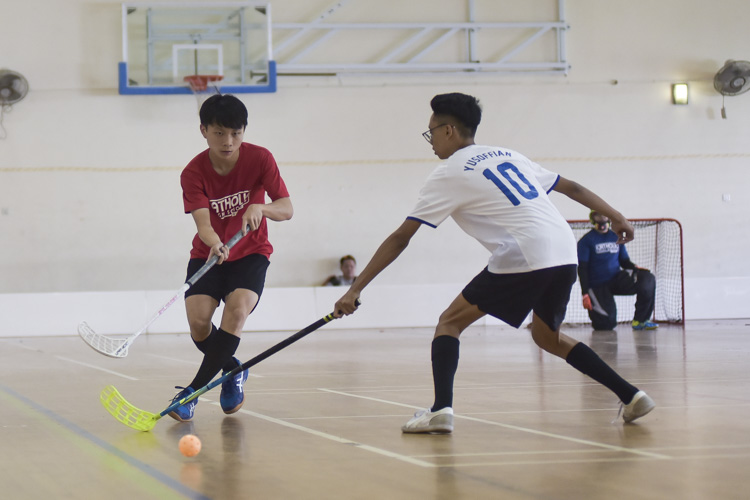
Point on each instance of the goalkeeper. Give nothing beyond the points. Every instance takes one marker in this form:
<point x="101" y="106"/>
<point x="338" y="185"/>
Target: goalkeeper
<point x="605" y="270"/>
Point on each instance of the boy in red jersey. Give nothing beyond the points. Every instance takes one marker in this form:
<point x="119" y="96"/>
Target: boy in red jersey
<point x="224" y="188"/>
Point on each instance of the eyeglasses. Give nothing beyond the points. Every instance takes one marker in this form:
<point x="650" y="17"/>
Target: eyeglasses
<point x="428" y="135"/>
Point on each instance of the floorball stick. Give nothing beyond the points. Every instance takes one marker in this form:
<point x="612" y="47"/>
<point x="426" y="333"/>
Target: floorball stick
<point x="595" y="306"/>
<point x="118" y="347"/>
<point x="142" y="420"/>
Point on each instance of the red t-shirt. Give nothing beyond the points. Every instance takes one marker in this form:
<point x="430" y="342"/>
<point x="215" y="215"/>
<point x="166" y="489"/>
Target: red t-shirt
<point x="228" y="196"/>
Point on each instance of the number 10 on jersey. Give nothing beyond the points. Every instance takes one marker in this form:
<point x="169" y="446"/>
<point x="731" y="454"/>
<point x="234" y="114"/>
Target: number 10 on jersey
<point x="503" y="169"/>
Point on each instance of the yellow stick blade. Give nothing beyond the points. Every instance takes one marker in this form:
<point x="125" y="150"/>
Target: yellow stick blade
<point x="126" y="413"/>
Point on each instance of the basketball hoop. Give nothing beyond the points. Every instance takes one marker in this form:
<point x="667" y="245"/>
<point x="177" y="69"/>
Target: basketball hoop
<point x="199" y="83"/>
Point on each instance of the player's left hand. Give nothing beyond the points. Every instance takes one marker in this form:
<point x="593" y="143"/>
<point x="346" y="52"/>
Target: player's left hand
<point x="347" y="304"/>
<point x="252" y="218"/>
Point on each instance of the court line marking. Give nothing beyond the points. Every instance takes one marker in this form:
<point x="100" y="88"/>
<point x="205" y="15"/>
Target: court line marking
<point x="379" y="451"/>
<point x="516" y="453"/>
<point x="592" y="460"/>
<point x="587" y="452"/>
<point x="176" y="360"/>
<point x="185" y="361"/>
<point x="519" y="428"/>
<point x="342" y="440"/>
<point x="705" y="447"/>
<point x="95" y="367"/>
<point x="150" y="471"/>
<point x="346" y="417"/>
<point x="426" y="386"/>
<point x="21" y="345"/>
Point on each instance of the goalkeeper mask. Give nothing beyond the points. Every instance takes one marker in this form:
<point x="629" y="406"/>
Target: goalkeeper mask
<point x="602" y="226"/>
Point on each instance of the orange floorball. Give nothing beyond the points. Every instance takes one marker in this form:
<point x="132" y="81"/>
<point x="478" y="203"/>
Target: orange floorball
<point x="190" y="445"/>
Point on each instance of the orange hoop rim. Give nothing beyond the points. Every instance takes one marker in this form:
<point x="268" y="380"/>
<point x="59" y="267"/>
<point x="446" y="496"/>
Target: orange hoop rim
<point x="199" y="83"/>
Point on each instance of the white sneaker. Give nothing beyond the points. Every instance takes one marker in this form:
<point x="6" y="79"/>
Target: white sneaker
<point x="425" y="421"/>
<point x="638" y="407"/>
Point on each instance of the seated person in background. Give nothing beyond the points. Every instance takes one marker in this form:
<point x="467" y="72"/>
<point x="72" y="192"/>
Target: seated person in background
<point x="605" y="270"/>
<point x="348" y="273"/>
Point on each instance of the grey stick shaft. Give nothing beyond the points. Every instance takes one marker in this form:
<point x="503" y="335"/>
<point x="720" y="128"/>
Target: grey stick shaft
<point x="213" y="260"/>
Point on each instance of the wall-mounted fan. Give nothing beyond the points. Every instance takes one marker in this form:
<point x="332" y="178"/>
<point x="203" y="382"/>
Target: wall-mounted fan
<point x="732" y="79"/>
<point x="13" y="87"/>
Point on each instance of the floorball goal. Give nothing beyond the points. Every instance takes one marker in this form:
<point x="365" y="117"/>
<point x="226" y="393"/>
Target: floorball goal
<point x="657" y="247"/>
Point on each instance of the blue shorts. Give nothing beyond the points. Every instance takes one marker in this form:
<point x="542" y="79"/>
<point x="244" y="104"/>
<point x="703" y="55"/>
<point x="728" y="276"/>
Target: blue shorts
<point x="511" y="297"/>
<point x="248" y="272"/>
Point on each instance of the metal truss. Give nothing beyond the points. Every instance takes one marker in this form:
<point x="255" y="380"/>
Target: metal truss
<point x="306" y="48"/>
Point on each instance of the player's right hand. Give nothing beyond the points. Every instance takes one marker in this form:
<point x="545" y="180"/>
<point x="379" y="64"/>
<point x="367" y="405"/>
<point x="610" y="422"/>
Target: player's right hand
<point x="624" y="230"/>
<point x="587" y="302"/>
<point x="347" y="304"/>
<point x="221" y="251"/>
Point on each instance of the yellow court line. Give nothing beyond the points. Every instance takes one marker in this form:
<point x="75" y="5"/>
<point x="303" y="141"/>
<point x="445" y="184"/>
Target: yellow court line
<point x="392" y="161"/>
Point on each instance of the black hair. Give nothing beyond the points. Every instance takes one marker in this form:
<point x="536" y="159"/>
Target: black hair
<point x="465" y="109"/>
<point x="224" y="110"/>
<point x="593" y="214"/>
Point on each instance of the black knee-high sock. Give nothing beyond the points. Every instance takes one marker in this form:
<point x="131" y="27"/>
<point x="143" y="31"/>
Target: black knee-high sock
<point x="586" y="361"/>
<point x="205" y="345"/>
<point x="221" y="352"/>
<point x="444" y="365"/>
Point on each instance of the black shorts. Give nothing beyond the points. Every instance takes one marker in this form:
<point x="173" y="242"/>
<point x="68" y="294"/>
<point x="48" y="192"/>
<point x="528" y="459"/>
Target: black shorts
<point x="248" y="272"/>
<point x="510" y="297"/>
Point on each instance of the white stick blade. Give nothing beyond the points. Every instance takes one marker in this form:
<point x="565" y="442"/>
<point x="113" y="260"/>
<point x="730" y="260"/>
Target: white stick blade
<point x="109" y="346"/>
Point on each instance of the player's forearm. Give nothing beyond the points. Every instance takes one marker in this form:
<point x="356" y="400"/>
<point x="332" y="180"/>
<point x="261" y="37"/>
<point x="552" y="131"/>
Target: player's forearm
<point x="583" y="277"/>
<point x="206" y="232"/>
<point x="209" y="236"/>
<point x="278" y="210"/>
<point x="628" y="264"/>
<point x="620" y="225"/>
<point x="388" y="251"/>
<point x="589" y="199"/>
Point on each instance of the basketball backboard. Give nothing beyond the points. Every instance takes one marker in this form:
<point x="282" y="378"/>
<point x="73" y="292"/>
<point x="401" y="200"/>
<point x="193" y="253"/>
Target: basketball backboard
<point x="165" y="42"/>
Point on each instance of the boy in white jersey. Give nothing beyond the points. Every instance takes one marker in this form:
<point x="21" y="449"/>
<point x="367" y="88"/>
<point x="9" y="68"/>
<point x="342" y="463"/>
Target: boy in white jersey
<point x="499" y="197"/>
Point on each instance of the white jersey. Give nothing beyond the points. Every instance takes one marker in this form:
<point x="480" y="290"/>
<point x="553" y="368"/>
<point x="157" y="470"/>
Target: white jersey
<point x="499" y="197"/>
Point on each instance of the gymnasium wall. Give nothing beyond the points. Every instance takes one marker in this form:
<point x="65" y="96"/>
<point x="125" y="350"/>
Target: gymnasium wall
<point x="89" y="180"/>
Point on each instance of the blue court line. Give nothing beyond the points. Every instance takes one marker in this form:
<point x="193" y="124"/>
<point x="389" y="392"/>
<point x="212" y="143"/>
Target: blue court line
<point x="143" y="467"/>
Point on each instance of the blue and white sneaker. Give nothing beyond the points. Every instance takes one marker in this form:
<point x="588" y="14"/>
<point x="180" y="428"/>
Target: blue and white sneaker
<point x="232" y="393"/>
<point x="185" y="412"/>
<point x="644" y="325"/>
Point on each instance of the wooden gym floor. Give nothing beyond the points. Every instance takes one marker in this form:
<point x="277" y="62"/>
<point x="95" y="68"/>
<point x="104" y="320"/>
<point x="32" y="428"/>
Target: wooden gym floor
<point x="322" y="419"/>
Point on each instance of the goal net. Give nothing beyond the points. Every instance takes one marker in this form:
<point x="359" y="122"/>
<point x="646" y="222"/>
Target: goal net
<point x="657" y="247"/>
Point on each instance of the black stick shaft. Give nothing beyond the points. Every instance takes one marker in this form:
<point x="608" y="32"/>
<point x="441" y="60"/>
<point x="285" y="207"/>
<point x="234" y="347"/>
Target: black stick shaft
<point x="247" y="364"/>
